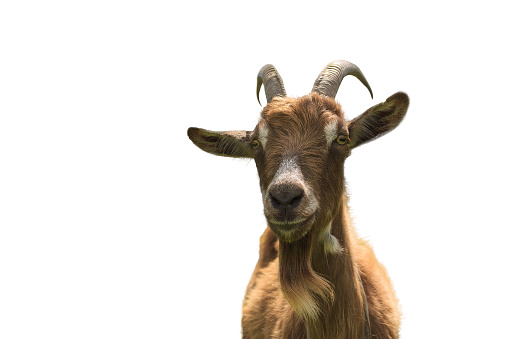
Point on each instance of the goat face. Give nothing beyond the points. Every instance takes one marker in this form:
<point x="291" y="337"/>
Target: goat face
<point x="300" y="145"/>
<point x="300" y="163"/>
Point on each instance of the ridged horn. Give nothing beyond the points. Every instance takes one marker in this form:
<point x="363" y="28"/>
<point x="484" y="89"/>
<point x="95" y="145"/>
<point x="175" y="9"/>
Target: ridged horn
<point x="330" y="78"/>
<point x="272" y="82"/>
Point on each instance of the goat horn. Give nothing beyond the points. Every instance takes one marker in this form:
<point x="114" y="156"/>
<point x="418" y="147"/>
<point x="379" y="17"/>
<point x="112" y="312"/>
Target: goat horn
<point x="272" y="82"/>
<point x="330" y="78"/>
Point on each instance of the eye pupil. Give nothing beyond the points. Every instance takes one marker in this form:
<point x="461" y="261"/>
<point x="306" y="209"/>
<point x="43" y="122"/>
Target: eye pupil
<point x="255" y="144"/>
<point x="342" y="140"/>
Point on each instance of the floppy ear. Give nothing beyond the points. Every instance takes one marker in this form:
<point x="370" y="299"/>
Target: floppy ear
<point x="378" y="120"/>
<point x="229" y="144"/>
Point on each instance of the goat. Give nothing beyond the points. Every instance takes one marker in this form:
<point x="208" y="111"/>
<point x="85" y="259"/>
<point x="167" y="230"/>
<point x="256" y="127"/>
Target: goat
<point x="315" y="278"/>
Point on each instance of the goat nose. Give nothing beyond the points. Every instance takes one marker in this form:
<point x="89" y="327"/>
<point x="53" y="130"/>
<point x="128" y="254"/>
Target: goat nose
<point x="286" y="197"/>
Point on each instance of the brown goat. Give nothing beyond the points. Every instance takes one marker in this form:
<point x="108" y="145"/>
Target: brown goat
<point x="315" y="277"/>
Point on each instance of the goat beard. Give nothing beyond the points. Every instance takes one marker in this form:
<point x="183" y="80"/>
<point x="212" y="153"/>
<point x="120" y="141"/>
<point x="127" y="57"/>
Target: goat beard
<point x="308" y="293"/>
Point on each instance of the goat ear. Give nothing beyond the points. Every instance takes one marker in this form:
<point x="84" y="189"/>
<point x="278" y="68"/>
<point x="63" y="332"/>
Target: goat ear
<point x="229" y="144"/>
<point x="378" y="120"/>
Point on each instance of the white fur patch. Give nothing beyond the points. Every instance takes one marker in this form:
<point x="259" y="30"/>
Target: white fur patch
<point x="330" y="242"/>
<point x="331" y="132"/>
<point x="288" y="171"/>
<point x="263" y="134"/>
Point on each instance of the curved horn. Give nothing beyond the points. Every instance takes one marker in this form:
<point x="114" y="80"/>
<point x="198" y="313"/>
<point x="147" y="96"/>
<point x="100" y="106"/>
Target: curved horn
<point x="272" y="83"/>
<point x="330" y="78"/>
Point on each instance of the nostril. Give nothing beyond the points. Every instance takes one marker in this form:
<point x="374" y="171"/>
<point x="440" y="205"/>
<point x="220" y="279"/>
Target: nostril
<point x="275" y="202"/>
<point x="285" y="196"/>
<point x="295" y="201"/>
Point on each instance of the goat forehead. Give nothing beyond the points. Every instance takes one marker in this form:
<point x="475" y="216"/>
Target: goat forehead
<point x="303" y="128"/>
<point x="307" y="151"/>
<point x="302" y="115"/>
<point x="298" y="132"/>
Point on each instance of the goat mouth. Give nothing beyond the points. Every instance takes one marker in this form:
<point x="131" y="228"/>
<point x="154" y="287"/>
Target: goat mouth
<point x="289" y="223"/>
<point x="291" y="230"/>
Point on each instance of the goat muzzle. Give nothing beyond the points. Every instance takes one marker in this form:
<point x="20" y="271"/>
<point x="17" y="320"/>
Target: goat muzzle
<point x="289" y="203"/>
<point x="286" y="197"/>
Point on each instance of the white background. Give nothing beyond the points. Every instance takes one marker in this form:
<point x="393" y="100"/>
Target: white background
<point x="114" y="225"/>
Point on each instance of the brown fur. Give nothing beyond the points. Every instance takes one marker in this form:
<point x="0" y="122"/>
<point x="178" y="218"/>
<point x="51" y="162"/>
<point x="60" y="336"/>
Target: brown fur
<point x="302" y="270"/>
<point x="305" y="285"/>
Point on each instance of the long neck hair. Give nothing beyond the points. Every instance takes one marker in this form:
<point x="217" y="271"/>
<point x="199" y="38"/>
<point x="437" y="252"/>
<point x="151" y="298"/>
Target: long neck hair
<point x="323" y="287"/>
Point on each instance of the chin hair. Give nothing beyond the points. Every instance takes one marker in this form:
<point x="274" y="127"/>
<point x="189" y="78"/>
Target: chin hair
<point x="307" y="292"/>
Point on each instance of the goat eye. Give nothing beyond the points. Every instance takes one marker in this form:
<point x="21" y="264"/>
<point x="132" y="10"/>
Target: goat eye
<point x="342" y="139"/>
<point x="255" y="144"/>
